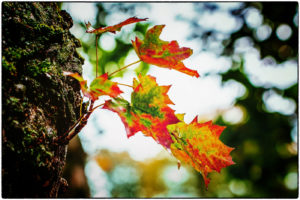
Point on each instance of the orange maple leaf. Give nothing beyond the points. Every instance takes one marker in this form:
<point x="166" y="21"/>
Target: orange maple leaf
<point x="161" y="53"/>
<point x="198" y="144"/>
<point x="114" y="28"/>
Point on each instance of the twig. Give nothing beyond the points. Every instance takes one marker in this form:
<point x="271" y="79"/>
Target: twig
<point x="76" y="128"/>
<point x="124" y="67"/>
<point x="57" y="139"/>
<point x="81" y="125"/>
<point x="125" y="85"/>
<point x="97" y="55"/>
<point x="80" y="112"/>
<point x="97" y="107"/>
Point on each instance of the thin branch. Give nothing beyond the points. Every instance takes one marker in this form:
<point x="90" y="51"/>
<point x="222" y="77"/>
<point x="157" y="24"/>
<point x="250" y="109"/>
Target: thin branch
<point x="97" y="107"/>
<point x="124" y="67"/>
<point x="80" y="112"/>
<point x="97" y="55"/>
<point x="76" y="128"/>
<point x="81" y="125"/>
<point x="59" y="138"/>
<point x="125" y="85"/>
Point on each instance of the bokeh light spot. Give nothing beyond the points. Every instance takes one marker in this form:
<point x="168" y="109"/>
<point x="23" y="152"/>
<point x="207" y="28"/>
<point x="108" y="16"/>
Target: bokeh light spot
<point x="111" y="67"/>
<point x="294" y="131"/>
<point x="212" y="21"/>
<point x="81" y="11"/>
<point x="296" y="19"/>
<point x="238" y="187"/>
<point x="124" y="174"/>
<point x="108" y="42"/>
<point x="292" y="148"/>
<point x="172" y="175"/>
<point x="253" y="17"/>
<point x="97" y="180"/>
<point x="234" y="115"/>
<point x="263" y="32"/>
<point x="284" y="32"/>
<point x="276" y="103"/>
<point x="243" y="44"/>
<point x="291" y="180"/>
<point x="285" y="51"/>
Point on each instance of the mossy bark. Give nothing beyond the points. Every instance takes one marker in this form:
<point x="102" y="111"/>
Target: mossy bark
<point x="38" y="102"/>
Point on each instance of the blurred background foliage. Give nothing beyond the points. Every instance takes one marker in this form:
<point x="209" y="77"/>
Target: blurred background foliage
<point x="265" y="138"/>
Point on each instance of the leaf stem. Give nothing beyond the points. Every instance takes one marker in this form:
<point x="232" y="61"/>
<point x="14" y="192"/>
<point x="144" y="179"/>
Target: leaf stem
<point x="97" y="36"/>
<point x="125" y="85"/>
<point x="97" y="107"/>
<point x="124" y="67"/>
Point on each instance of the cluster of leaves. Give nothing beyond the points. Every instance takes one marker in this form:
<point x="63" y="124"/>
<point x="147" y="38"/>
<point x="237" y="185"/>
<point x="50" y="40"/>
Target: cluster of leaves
<point x="196" y="143"/>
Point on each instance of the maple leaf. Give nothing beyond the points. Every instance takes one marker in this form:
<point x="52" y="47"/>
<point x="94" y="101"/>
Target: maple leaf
<point x="162" y="53"/>
<point x="132" y="121"/>
<point x="113" y="28"/>
<point x="135" y="120"/>
<point x="99" y="86"/>
<point x="148" y="112"/>
<point x="198" y="144"/>
<point x="103" y="86"/>
<point x="148" y="95"/>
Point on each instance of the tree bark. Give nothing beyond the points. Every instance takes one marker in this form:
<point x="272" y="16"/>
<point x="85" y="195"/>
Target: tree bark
<point x="38" y="102"/>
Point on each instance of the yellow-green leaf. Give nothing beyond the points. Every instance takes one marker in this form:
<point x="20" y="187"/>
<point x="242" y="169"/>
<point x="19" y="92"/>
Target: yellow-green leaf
<point x="198" y="144"/>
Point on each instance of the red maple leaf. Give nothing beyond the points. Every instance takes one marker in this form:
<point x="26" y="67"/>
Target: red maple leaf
<point x="114" y="28"/>
<point x="99" y="86"/>
<point x="161" y="53"/>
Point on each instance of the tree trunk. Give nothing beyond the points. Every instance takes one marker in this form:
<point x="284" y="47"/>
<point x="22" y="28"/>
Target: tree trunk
<point x="38" y="102"/>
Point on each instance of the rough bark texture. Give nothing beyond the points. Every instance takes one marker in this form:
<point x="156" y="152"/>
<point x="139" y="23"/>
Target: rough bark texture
<point x="38" y="102"/>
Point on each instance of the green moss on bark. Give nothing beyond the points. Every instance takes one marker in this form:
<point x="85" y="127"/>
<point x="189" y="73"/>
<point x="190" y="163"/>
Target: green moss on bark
<point x="38" y="102"/>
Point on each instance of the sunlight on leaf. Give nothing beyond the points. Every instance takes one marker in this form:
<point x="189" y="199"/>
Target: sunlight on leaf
<point x="198" y="144"/>
<point x="161" y="53"/>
